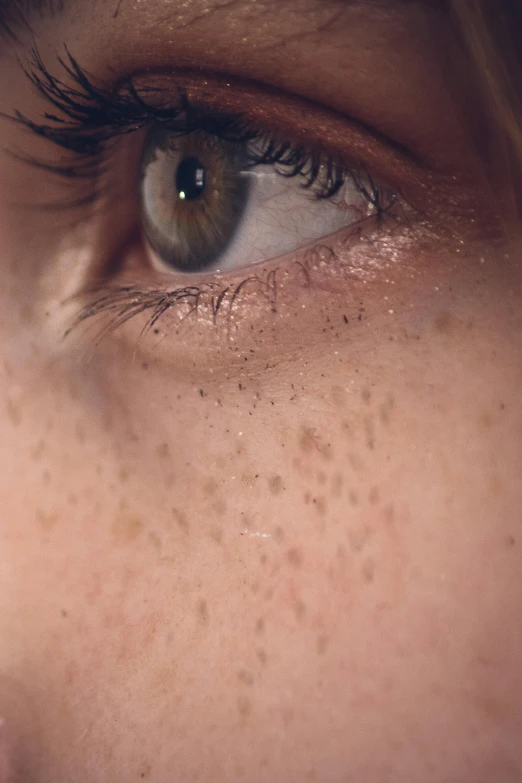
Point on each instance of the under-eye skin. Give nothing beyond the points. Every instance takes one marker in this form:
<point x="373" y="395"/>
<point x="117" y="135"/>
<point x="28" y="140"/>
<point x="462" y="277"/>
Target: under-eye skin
<point x="199" y="174"/>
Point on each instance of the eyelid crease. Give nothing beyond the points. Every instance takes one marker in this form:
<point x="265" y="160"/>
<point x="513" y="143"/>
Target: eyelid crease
<point x="94" y="116"/>
<point x="91" y="115"/>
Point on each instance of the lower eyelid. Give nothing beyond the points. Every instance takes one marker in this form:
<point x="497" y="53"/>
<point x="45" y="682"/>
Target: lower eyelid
<point x="222" y="314"/>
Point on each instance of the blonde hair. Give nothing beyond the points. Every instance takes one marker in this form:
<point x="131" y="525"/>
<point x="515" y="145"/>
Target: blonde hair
<point x="491" y="32"/>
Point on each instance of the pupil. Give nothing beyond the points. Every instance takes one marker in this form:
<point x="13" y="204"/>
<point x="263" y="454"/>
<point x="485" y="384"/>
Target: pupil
<point x="190" y="179"/>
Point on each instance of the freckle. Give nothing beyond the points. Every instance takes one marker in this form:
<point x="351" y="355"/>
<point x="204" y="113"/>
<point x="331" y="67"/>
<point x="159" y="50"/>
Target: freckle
<point x="294" y="557"/>
<point x="269" y="594"/>
<point x="260" y="625"/>
<point x="347" y="429"/>
<point x="389" y="513"/>
<point x="146" y="771"/>
<point x="307" y="439"/>
<point x="384" y="415"/>
<point x="246" y="677"/>
<point x="126" y="529"/>
<point x="307" y="498"/>
<point x="321" y="506"/>
<point x="299" y="610"/>
<point x="337" y="485"/>
<point x="46" y="477"/>
<point x="328" y="452"/>
<point x="275" y="484"/>
<point x="288" y="715"/>
<point x="123" y="475"/>
<point x="80" y="432"/>
<point x="444" y="323"/>
<point x="310" y="441"/>
<point x="244" y="706"/>
<point x="38" y="450"/>
<point x="359" y="538"/>
<point x="496" y="709"/>
<point x="353" y="498"/>
<point x="202" y="609"/>
<point x="72" y="499"/>
<point x="279" y="534"/>
<point x="321" y="478"/>
<point x="210" y="488"/>
<point x="368" y="571"/>
<point x="356" y="462"/>
<point x="373" y="496"/>
<point x="261" y="656"/>
<point x="155" y="540"/>
<point x="370" y="432"/>
<point x="366" y="396"/>
<point x="263" y="559"/>
<point x="73" y="391"/>
<point x="254" y="588"/>
<point x="163" y="451"/>
<point x="338" y="396"/>
<point x="322" y="644"/>
<point x="181" y="520"/>
<point x="216" y="534"/>
<point x="220" y="507"/>
<point x="249" y="480"/>
<point x="496" y="484"/>
<point x="485" y="421"/>
<point x="510" y="541"/>
<point x="14" y="411"/>
<point x="47" y="521"/>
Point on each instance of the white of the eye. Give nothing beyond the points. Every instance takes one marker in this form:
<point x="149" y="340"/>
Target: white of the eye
<point x="281" y="216"/>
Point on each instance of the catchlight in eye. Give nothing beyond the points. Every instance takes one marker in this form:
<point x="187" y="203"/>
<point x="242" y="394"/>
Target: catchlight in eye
<point x="190" y="179"/>
<point x="193" y="193"/>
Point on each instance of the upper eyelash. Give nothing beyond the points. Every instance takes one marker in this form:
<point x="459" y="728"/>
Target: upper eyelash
<point x="90" y="117"/>
<point x="85" y="120"/>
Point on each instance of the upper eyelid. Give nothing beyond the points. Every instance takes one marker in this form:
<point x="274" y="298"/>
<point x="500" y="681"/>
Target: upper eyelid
<point x="325" y="129"/>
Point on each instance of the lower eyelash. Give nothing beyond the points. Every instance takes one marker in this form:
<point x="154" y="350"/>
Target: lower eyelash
<point x="122" y="303"/>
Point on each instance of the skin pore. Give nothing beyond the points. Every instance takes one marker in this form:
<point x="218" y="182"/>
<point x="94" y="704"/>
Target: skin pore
<point x="283" y="544"/>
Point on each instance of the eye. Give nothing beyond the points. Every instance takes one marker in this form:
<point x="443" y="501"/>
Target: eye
<point x="193" y="194"/>
<point x="202" y="204"/>
<point x="209" y="203"/>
